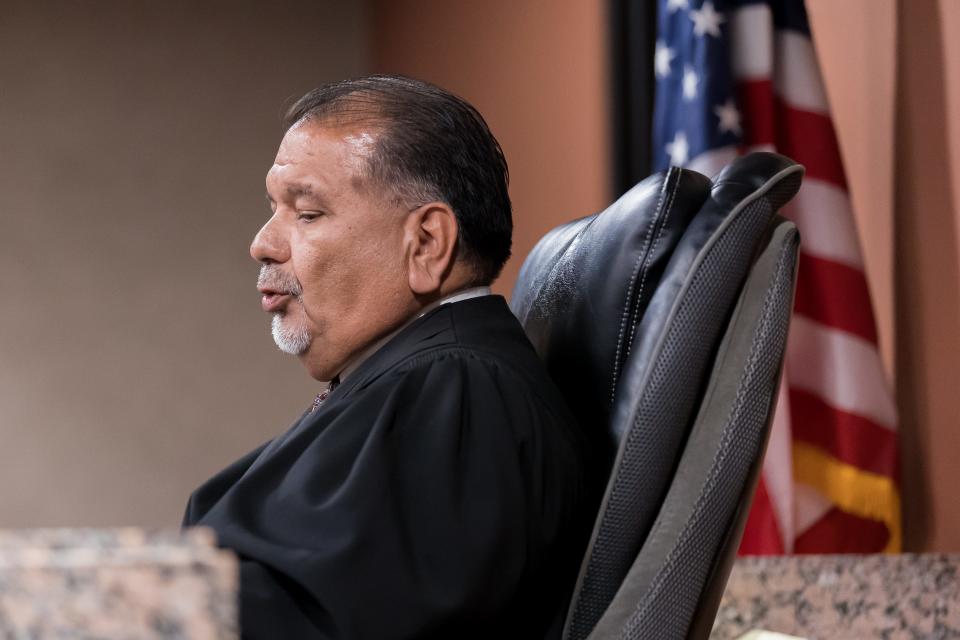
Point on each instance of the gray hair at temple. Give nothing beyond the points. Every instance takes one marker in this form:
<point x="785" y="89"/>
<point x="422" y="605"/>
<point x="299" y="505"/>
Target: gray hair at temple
<point x="431" y="146"/>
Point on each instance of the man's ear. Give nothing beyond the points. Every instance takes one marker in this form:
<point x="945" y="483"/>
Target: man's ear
<point x="430" y="237"/>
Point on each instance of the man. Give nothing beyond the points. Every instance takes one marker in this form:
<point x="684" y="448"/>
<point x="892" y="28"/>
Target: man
<point x="434" y="488"/>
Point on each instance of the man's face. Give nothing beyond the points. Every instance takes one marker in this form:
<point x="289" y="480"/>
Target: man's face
<point x="334" y="273"/>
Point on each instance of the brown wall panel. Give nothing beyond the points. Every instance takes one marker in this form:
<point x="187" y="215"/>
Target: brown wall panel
<point x="892" y="69"/>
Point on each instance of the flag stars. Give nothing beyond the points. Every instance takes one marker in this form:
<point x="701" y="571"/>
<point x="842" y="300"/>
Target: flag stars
<point x="706" y="20"/>
<point x="678" y="150"/>
<point x="673" y="5"/>
<point x="729" y="117"/>
<point x="662" y="58"/>
<point x="690" y="82"/>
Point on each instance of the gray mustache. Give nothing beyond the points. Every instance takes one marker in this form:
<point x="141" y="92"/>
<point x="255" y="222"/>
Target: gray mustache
<point x="273" y="277"/>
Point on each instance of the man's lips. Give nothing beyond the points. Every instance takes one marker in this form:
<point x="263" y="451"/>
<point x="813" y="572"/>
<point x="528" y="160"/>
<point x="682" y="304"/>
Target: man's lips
<point x="273" y="301"/>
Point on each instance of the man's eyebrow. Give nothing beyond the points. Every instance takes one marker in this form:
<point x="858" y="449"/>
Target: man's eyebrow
<point x="299" y="189"/>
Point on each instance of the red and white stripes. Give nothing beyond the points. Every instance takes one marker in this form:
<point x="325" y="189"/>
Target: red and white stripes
<point x="830" y="474"/>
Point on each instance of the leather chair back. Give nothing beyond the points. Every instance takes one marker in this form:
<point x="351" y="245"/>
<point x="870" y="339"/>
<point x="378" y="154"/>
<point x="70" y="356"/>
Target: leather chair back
<point x="629" y="328"/>
<point x="582" y="291"/>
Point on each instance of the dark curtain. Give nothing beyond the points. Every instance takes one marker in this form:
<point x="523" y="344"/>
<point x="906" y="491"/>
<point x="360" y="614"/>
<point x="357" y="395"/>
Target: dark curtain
<point x="633" y="34"/>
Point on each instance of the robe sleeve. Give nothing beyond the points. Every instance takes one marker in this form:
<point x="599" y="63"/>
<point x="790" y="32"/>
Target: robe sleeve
<point x="212" y="490"/>
<point x="423" y="509"/>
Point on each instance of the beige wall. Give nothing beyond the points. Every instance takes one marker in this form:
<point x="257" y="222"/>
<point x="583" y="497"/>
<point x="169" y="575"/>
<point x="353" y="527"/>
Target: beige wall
<point x="134" y="137"/>
<point x="536" y="70"/>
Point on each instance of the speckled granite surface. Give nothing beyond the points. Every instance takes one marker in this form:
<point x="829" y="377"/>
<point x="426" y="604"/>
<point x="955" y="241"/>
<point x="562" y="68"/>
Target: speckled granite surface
<point x="116" y="584"/>
<point x="880" y="596"/>
<point x="106" y="538"/>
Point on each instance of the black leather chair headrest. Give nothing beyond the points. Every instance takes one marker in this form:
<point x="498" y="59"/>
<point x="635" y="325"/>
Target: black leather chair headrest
<point x="583" y="289"/>
<point x="743" y="199"/>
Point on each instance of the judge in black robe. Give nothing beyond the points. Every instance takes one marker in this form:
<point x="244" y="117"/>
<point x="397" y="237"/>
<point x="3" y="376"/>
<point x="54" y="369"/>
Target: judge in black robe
<point x="437" y="493"/>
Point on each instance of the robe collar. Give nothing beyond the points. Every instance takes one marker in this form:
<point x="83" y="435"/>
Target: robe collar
<point x="457" y="296"/>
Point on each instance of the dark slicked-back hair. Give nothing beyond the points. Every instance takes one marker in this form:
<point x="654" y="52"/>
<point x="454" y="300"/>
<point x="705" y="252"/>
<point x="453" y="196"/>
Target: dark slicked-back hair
<point x="430" y="146"/>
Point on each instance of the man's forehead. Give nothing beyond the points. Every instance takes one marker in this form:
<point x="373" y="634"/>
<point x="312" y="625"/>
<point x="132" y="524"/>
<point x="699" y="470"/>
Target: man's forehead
<point x="361" y="142"/>
<point x="312" y="154"/>
<point x="308" y="138"/>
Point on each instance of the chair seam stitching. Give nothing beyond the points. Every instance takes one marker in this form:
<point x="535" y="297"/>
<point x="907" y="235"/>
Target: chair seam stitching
<point x="645" y="256"/>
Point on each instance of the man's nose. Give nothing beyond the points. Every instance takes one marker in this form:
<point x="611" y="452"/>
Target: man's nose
<point x="269" y="245"/>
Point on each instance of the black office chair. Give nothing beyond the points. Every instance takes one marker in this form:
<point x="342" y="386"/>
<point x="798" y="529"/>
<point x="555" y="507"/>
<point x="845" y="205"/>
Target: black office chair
<point x="628" y="308"/>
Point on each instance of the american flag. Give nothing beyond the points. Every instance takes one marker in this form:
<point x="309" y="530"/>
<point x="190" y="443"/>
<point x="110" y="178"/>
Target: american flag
<point x="742" y="75"/>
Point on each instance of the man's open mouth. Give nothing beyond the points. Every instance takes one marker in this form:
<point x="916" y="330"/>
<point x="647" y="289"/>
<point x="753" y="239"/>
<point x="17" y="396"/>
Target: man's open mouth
<point x="274" y="301"/>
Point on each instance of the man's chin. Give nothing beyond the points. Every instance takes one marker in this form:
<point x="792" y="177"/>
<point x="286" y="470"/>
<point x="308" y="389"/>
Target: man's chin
<point x="294" y="340"/>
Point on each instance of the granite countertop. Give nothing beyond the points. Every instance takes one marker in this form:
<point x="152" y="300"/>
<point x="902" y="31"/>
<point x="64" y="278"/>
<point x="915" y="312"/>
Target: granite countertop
<point x="116" y="584"/>
<point x="106" y="538"/>
<point x="893" y="597"/>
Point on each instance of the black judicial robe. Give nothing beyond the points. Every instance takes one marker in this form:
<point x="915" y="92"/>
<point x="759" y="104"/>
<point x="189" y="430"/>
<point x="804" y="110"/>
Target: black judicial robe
<point x="437" y="493"/>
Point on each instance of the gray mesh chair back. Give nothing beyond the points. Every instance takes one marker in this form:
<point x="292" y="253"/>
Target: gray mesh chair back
<point x="665" y="373"/>
<point x="673" y="587"/>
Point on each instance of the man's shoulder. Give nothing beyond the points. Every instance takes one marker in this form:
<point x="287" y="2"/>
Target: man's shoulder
<point x="469" y="368"/>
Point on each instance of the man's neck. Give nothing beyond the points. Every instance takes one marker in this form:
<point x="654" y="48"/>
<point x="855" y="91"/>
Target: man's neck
<point x="457" y="296"/>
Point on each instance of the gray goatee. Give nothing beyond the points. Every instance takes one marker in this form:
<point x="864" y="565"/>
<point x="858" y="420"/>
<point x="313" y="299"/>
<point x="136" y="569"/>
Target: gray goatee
<point x="290" y="338"/>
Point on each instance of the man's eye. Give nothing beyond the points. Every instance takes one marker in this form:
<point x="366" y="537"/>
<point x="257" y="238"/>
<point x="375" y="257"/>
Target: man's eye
<point x="308" y="216"/>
